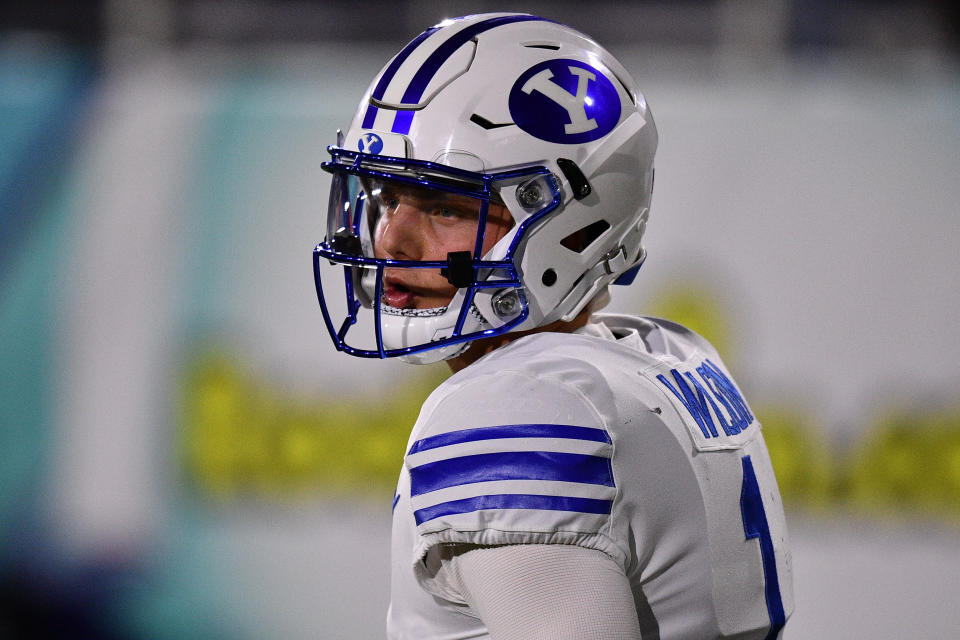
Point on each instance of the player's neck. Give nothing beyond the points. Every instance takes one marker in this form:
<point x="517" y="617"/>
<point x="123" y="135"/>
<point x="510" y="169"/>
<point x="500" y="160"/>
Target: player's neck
<point x="480" y="348"/>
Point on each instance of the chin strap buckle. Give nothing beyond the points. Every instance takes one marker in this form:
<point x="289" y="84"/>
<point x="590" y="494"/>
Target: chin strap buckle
<point x="615" y="260"/>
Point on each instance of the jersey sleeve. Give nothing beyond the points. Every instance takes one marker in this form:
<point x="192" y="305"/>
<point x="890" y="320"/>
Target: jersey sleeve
<point x="544" y="592"/>
<point x="509" y="458"/>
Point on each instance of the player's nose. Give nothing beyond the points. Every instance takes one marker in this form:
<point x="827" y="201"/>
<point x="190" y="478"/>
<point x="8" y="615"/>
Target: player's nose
<point x="401" y="232"/>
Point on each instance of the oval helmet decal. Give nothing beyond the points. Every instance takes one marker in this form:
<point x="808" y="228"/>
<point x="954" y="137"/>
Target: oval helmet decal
<point x="564" y="101"/>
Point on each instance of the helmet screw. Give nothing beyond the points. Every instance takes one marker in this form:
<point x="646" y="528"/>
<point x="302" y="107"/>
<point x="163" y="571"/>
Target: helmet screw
<point x="506" y="303"/>
<point x="529" y="196"/>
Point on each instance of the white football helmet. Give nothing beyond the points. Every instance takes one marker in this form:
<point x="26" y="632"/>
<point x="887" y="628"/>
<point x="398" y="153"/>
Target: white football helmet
<point x="506" y="108"/>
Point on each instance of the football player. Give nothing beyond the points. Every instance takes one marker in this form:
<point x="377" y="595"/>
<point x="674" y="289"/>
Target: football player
<point x="581" y="475"/>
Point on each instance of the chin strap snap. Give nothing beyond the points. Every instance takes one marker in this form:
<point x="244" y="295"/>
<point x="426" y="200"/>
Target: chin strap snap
<point x="612" y="263"/>
<point x="615" y="260"/>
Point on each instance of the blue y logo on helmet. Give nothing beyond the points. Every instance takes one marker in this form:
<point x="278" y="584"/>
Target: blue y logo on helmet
<point x="564" y="101"/>
<point x="370" y="143"/>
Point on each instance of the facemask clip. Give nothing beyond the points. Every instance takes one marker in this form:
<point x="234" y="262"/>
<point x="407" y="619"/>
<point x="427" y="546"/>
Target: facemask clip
<point x="345" y="242"/>
<point x="459" y="269"/>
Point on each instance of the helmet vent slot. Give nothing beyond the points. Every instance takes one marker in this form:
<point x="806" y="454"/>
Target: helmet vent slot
<point x="579" y="240"/>
<point x="542" y="45"/>
<point x="578" y="182"/>
<point x="486" y="124"/>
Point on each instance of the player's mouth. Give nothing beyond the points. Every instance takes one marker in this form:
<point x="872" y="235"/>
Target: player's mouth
<point x="398" y="295"/>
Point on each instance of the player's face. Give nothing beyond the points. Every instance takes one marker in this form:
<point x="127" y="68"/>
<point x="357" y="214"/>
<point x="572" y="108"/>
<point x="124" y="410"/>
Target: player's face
<point x="423" y="225"/>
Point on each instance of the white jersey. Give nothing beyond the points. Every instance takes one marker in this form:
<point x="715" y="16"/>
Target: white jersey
<point x="629" y="437"/>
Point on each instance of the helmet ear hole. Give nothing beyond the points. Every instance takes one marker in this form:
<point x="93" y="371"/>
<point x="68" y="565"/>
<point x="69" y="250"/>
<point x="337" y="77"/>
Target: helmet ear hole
<point x="579" y="240"/>
<point x="549" y="278"/>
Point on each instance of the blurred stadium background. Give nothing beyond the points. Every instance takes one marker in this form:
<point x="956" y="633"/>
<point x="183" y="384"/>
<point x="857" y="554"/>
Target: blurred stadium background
<point x="182" y="453"/>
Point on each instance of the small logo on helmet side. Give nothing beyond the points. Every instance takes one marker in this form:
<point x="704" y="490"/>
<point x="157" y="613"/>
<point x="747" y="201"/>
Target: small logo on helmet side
<point x="565" y="101"/>
<point x="370" y="143"/>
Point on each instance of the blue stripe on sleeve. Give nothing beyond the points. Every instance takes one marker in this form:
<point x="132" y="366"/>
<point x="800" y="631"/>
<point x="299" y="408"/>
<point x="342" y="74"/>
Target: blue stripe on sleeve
<point x="511" y="431"/>
<point x="511" y="465"/>
<point x="513" y="501"/>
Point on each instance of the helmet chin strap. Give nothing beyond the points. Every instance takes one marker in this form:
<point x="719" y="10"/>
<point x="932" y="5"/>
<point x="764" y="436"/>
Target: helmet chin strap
<point x="413" y="313"/>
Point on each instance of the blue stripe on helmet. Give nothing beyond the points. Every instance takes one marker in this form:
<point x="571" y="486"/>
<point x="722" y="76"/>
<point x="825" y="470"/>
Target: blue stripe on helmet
<point x="390" y="72"/>
<point x="369" y="117"/>
<point x="513" y="501"/>
<point x="511" y="465"/>
<point x="425" y="73"/>
<point x="402" y="121"/>
<point x="511" y="431"/>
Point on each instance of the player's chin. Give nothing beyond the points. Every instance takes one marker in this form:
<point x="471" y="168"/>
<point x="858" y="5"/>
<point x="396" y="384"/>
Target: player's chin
<point x="432" y="302"/>
<point x="434" y="297"/>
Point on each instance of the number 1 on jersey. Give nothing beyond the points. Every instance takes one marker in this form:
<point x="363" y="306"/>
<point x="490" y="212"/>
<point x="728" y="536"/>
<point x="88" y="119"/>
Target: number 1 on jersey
<point x="755" y="526"/>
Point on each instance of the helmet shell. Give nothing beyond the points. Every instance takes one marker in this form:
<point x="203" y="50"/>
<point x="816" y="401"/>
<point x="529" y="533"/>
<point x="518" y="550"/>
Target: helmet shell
<point x="493" y="92"/>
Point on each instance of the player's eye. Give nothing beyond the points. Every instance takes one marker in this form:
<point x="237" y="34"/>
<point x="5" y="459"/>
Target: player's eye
<point x="389" y="200"/>
<point x="454" y="210"/>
